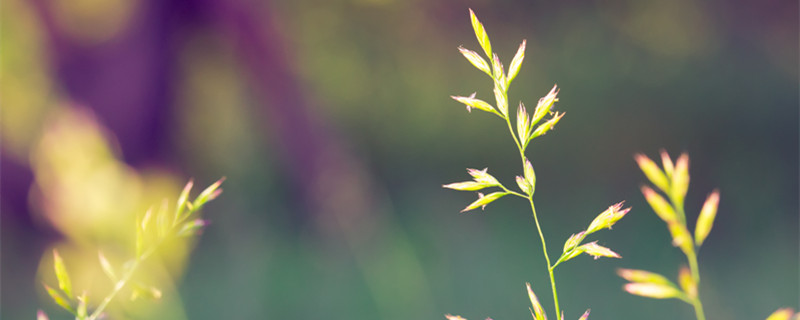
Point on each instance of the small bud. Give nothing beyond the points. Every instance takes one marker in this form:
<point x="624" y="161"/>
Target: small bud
<point x="544" y="105"/>
<point x="144" y="291"/>
<point x="452" y="317"/>
<point x="182" y="201"/>
<point x="569" y="254"/>
<point x="661" y="207"/>
<point x="208" y="194"/>
<point x="669" y="168"/>
<point x="547" y="126"/>
<point x="653" y="173"/>
<point x="706" y="219"/>
<point x="523" y="185"/>
<point x="607" y="218"/>
<point x="681" y="237"/>
<point x="472" y="102"/>
<point x="465" y="186"/>
<point x="650" y="290"/>
<point x="574" y="241"/>
<point x="782" y="314"/>
<point x="687" y="282"/>
<point x="476" y="60"/>
<point x="530" y="175"/>
<point x="502" y="101"/>
<point x="523" y="123"/>
<point x="644" y="277"/>
<point x="480" y="33"/>
<point x="585" y="315"/>
<point x="597" y="251"/>
<point x="40" y="315"/>
<point x="482" y="177"/>
<point x="499" y="73"/>
<point x="192" y="227"/>
<point x="680" y="180"/>
<point x="538" y="311"/>
<point x="516" y="62"/>
<point x="484" y="200"/>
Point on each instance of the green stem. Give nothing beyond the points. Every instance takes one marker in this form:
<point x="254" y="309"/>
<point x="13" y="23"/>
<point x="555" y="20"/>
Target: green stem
<point x="512" y="192"/>
<point x="698" y="309"/>
<point x="127" y="276"/>
<point x="516" y="141"/>
<point x="546" y="258"/>
<point x="698" y="306"/>
<point x="120" y="284"/>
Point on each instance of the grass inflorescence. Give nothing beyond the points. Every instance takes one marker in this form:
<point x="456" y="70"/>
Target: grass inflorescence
<point x="524" y="129"/>
<point x="153" y="229"/>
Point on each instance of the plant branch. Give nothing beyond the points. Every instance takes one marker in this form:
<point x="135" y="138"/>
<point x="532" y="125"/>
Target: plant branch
<point x="546" y="256"/>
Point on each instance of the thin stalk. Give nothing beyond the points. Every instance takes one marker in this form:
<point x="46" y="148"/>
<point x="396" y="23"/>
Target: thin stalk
<point x="120" y="284"/>
<point x="698" y="309"/>
<point x="546" y="257"/>
<point x="536" y="219"/>
<point x="127" y="276"/>
<point x="698" y="306"/>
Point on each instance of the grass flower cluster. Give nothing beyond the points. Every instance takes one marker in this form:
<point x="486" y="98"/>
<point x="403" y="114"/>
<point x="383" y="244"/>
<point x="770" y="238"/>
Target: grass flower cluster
<point x="672" y="180"/>
<point x="153" y="229"/>
<point x="525" y="128"/>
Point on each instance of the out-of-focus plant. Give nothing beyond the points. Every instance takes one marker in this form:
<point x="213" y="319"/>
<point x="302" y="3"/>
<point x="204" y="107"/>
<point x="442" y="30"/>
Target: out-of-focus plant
<point x="153" y="229"/>
<point x="528" y="127"/>
<point x="673" y="181"/>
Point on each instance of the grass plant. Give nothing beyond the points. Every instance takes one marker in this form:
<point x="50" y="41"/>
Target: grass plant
<point x="672" y="179"/>
<point x="524" y="129"/>
<point x="153" y="229"/>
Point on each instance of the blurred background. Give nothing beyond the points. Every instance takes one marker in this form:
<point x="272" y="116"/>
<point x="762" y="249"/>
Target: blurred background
<point x="333" y="124"/>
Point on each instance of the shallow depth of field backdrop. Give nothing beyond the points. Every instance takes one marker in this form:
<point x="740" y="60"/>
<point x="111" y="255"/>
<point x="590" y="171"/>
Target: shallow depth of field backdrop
<point x="333" y="124"/>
